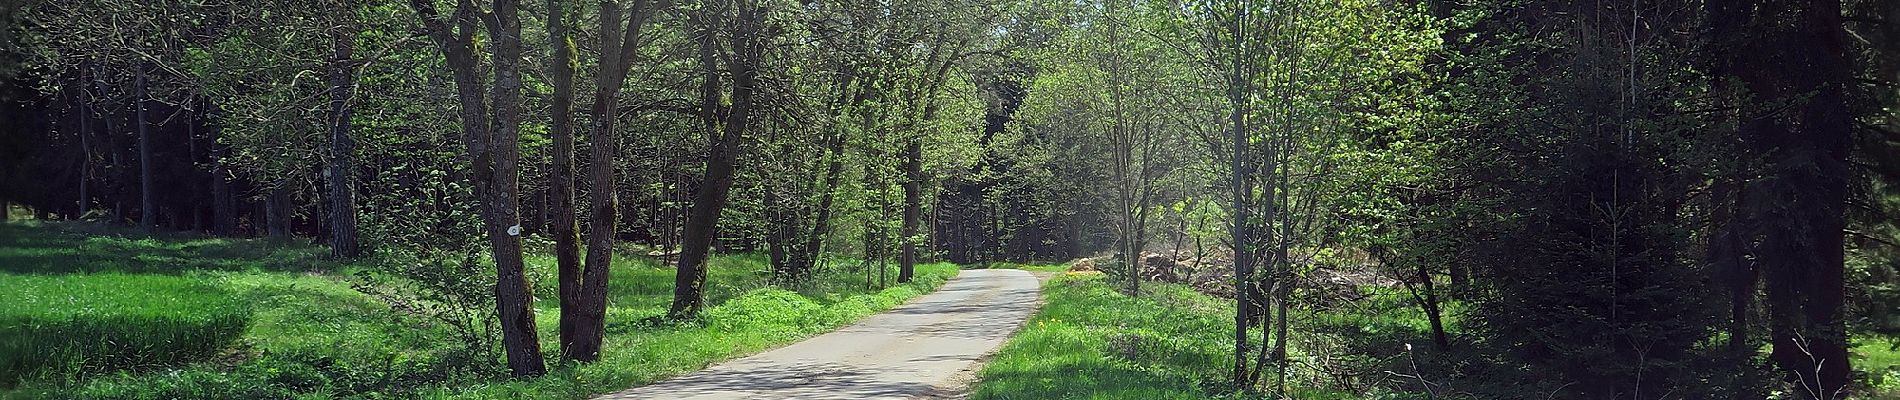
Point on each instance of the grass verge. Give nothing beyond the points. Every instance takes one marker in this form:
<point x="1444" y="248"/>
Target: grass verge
<point x="61" y="326"/>
<point x="311" y="336"/>
<point x="1091" y="342"/>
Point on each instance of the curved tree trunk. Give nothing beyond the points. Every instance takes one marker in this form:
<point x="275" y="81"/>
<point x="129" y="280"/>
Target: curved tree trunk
<point x="702" y="223"/>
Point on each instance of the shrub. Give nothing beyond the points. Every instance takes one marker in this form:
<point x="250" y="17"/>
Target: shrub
<point x="68" y="325"/>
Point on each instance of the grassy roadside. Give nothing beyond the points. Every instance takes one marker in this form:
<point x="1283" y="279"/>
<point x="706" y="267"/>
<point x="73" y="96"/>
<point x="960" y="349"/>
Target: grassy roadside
<point x="311" y="336"/>
<point x="1091" y="342"/>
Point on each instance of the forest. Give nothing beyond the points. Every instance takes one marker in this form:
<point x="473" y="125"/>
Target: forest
<point x="1221" y="199"/>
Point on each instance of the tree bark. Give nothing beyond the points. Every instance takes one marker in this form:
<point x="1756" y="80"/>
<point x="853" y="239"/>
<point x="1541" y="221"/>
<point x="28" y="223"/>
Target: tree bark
<point x="85" y="156"/>
<point x="148" y="207"/>
<point x="913" y="207"/>
<point x="702" y="223"/>
<point x="492" y="157"/>
<point x="563" y="225"/>
<point x="341" y="170"/>
<point x="1800" y="56"/>
<point x="618" y="47"/>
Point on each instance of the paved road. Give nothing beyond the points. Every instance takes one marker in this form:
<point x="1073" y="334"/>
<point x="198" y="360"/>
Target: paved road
<point x="929" y="348"/>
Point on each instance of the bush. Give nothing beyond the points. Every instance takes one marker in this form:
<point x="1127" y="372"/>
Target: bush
<point x="68" y="325"/>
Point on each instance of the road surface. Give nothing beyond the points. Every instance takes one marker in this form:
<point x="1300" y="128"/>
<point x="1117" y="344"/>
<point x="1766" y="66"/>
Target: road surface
<point x="930" y="348"/>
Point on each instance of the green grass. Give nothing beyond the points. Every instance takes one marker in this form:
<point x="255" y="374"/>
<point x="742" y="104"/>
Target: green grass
<point x="74" y="324"/>
<point x="1057" y="267"/>
<point x="1881" y="360"/>
<point x="1091" y="342"/>
<point x="312" y="336"/>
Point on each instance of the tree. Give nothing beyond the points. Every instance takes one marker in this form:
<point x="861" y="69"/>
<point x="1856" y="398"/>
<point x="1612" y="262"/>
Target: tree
<point x="1792" y="59"/>
<point x="340" y="174"/>
<point x="735" y="31"/>
<point x="491" y="151"/>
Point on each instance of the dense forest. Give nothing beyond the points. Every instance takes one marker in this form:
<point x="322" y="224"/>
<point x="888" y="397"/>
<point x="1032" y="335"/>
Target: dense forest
<point x="1679" y="199"/>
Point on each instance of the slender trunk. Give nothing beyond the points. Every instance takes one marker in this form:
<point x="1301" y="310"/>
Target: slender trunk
<point x="223" y="194"/>
<point x="341" y="174"/>
<point x="514" y="300"/>
<point x="703" y="220"/>
<point x="913" y="208"/>
<point x="1431" y="306"/>
<point x="148" y="208"/>
<point x="563" y="226"/>
<point x="85" y="158"/>
<point x="1242" y="235"/>
<point x="618" y="47"/>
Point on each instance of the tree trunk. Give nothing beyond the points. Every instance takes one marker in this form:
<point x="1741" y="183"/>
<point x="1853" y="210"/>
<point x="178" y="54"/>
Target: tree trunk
<point x="563" y="225"/>
<point x="277" y="211"/>
<point x="913" y="208"/>
<point x="85" y="158"/>
<point x="618" y="47"/>
<point x="1802" y="202"/>
<point x="702" y="222"/>
<point x="495" y="170"/>
<point x="1242" y="233"/>
<point x="223" y="196"/>
<point x="148" y="208"/>
<point x="514" y="300"/>
<point x="341" y="174"/>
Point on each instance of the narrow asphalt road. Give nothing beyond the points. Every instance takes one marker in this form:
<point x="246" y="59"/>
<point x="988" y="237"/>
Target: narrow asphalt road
<point x="929" y="348"/>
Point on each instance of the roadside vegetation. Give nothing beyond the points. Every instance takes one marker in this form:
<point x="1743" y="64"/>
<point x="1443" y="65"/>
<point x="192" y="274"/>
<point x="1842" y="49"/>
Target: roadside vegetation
<point x="192" y="317"/>
<point x="1093" y="341"/>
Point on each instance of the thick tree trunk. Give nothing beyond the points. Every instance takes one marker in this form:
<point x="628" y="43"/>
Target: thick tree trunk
<point x="148" y="206"/>
<point x="1800" y="56"/>
<point x="563" y="225"/>
<point x="341" y="170"/>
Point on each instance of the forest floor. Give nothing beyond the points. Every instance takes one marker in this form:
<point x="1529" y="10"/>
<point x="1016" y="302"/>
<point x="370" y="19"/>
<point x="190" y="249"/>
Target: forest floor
<point x="294" y="326"/>
<point x="929" y="348"/>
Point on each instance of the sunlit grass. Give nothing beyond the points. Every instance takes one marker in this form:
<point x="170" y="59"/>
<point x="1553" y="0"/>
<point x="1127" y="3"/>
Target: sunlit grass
<point x="310" y="335"/>
<point x="1092" y="342"/>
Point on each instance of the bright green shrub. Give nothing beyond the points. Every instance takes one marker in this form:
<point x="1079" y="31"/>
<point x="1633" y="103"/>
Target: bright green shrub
<point x="67" y="325"/>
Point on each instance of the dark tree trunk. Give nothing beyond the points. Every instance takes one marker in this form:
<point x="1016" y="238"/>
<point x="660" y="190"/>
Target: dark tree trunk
<point x="913" y="208"/>
<point x="514" y="299"/>
<point x="494" y="168"/>
<point x="1795" y="52"/>
<point x="1429" y="303"/>
<point x="85" y="157"/>
<point x="223" y="196"/>
<point x="618" y="47"/>
<point x="562" y="225"/>
<point x="702" y="221"/>
<point x="341" y="175"/>
<point x="1242" y="186"/>
<point x="277" y="211"/>
<point x="148" y="206"/>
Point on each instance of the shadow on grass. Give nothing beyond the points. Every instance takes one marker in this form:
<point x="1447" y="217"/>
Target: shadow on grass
<point x="63" y="248"/>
